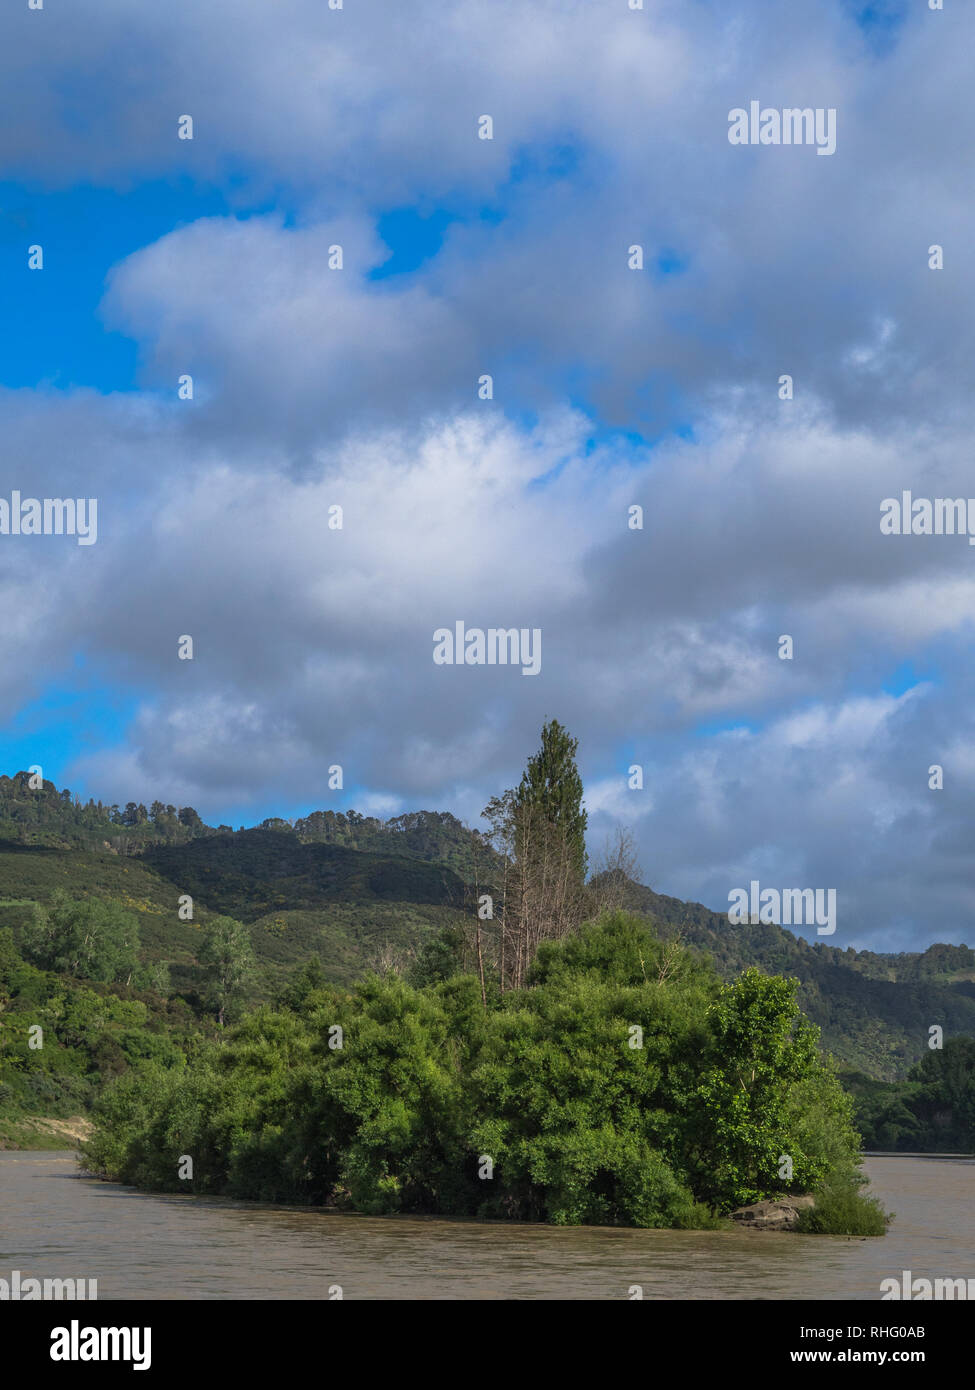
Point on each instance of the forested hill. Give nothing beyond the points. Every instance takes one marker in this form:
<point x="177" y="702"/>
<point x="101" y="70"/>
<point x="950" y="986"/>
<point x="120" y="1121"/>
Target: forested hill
<point x="355" y="892"/>
<point x="253" y="872"/>
<point x="875" y="1009"/>
<point x="43" y="815"/>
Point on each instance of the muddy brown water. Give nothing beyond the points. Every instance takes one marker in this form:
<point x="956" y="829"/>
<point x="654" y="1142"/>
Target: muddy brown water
<point x="55" y="1223"/>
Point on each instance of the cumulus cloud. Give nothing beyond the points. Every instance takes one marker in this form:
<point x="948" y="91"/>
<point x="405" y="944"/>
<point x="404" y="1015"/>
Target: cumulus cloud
<point x="610" y="129"/>
<point x="318" y="387"/>
<point x="313" y="646"/>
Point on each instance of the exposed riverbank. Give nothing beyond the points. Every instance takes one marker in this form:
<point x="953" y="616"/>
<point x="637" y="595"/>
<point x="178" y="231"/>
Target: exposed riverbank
<point x="39" y="1132"/>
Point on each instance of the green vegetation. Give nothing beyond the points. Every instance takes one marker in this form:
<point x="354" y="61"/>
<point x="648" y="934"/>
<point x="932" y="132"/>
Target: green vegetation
<point x="552" y="785"/>
<point x="489" y="999"/>
<point x="89" y="939"/>
<point x="62" y="1040"/>
<point x="873" y="1011"/>
<point x="351" y="910"/>
<point x="227" y="957"/>
<point x="434" y="836"/>
<point x="359" y="893"/>
<point x="256" y="872"/>
<point x="34" y="812"/>
<point x="424" y="1092"/>
<point x="932" y="1111"/>
<point x="41" y="815"/>
<point x="842" y="1210"/>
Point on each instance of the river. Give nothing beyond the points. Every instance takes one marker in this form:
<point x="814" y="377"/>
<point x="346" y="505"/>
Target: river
<point x="55" y="1223"/>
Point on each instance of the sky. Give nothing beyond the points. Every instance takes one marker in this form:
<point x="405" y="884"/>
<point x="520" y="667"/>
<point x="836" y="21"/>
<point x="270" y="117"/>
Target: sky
<point x="317" y="387"/>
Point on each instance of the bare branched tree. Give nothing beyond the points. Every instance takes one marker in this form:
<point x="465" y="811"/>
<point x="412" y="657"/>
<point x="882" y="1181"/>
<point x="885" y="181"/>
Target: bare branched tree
<point x="391" y="960"/>
<point x="616" y="865"/>
<point x="543" y="895"/>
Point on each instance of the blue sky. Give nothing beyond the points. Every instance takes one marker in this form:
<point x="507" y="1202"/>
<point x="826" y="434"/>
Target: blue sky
<point x="61" y="340"/>
<point x="612" y="387"/>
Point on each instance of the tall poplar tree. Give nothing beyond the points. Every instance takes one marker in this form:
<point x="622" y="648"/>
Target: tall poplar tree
<point x="539" y="833"/>
<point x="551" y="784"/>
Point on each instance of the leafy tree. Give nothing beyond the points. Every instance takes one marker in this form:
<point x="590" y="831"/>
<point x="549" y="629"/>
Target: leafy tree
<point x="90" y="939"/>
<point x="306" y="982"/>
<point x="551" y="783"/>
<point x="932" y="1110"/>
<point x="744" y="1117"/>
<point x="438" y="958"/>
<point x="277" y="823"/>
<point x="537" y="839"/>
<point x="228" y="958"/>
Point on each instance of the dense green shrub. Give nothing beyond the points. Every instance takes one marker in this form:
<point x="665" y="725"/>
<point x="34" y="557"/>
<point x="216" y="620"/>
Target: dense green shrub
<point x="843" y="1210"/>
<point x="932" y="1111"/>
<point x="86" y="938"/>
<point x="62" y="1040"/>
<point x="624" y="1086"/>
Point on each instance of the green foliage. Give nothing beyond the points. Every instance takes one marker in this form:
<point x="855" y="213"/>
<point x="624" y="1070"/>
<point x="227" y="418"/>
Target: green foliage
<point x="873" y="1010"/>
<point x="932" y="1111"/>
<point x="745" y="1118"/>
<point x="256" y="872"/>
<point x="439" y="958"/>
<point x="89" y="939"/>
<point x="220" y="1110"/>
<point x="435" y="836"/>
<point x="61" y="1041"/>
<point x="228" y="960"/>
<point x="349" y="888"/>
<point x="583" y="1127"/>
<point x="579" y="1129"/>
<point x="391" y="1098"/>
<point x="551" y="783"/>
<point x="841" y="1209"/>
<point x="45" y="816"/>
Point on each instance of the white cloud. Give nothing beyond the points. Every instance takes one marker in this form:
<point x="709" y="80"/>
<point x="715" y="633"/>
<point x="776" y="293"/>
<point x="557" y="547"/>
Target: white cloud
<point x="316" y="387"/>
